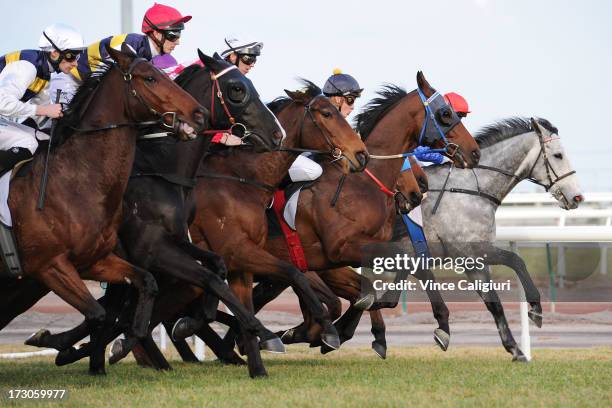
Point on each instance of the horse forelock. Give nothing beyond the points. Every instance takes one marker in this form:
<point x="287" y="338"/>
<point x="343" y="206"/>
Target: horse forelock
<point x="507" y="128"/>
<point x="377" y="108"/>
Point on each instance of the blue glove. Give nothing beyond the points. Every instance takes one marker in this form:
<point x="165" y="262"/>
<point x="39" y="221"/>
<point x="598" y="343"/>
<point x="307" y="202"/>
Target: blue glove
<point x="422" y="154"/>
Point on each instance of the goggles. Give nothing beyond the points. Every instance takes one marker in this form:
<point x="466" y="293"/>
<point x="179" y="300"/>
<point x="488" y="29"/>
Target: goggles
<point x="247" y="59"/>
<point x="171" y="35"/>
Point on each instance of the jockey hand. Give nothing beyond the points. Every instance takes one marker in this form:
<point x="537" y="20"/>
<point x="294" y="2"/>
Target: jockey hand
<point x="53" y="111"/>
<point x="421" y="153"/>
<point x="229" y="139"/>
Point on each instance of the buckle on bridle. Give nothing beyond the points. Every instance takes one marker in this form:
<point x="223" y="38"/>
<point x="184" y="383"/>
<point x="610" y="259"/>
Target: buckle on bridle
<point x="452" y="149"/>
<point x="163" y="122"/>
<point x="336" y="153"/>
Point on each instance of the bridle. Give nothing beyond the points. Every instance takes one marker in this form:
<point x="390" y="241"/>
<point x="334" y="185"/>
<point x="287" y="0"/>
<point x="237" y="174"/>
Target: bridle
<point x="130" y="90"/>
<point x="550" y="172"/>
<point x="437" y="130"/>
<point x="334" y="151"/>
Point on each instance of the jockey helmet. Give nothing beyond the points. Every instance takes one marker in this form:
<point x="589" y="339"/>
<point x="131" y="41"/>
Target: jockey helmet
<point x="61" y="37"/>
<point x="163" y="18"/>
<point x="458" y="103"/>
<point x="340" y="84"/>
<point x="241" y="46"/>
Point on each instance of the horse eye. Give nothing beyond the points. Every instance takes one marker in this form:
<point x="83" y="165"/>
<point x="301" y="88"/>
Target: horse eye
<point x="236" y="93"/>
<point x="326" y="114"/>
<point x="150" y="79"/>
<point x="558" y="156"/>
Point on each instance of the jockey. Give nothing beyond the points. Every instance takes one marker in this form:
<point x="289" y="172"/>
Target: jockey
<point x="460" y="106"/>
<point x="161" y="27"/>
<point x="241" y="52"/>
<point x="342" y="90"/>
<point x="24" y="90"/>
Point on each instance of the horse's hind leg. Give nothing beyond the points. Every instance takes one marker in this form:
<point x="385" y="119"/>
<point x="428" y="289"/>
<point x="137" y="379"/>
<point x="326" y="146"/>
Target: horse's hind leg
<point x="63" y="279"/>
<point x="493" y="303"/>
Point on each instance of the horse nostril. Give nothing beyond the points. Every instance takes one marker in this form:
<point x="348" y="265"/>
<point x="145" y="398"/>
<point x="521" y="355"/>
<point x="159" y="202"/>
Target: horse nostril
<point x="476" y="155"/>
<point x="579" y="198"/>
<point x="415" y="198"/>
<point x="198" y="116"/>
<point x="362" y="158"/>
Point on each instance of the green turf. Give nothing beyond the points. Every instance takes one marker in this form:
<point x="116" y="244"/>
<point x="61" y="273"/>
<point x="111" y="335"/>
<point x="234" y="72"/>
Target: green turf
<point x="351" y="377"/>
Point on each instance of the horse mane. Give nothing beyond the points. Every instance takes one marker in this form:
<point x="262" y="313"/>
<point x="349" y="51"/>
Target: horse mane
<point x="280" y="103"/>
<point x="73" y="115"/>
<point x="377" y="108"/>
<point x="188" y="74"/>
<point x="507" y="128"/>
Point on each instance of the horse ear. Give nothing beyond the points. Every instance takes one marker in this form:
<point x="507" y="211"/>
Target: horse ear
<point x="297" y="96"/>
<point x="121" y="58"/>
<point x="217" y="56"/>
<point x="209" y="62"/>
<point x="423" y="84"/>
<point x="536" y="126"/>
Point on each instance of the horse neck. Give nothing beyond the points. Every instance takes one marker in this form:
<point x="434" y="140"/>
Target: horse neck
<point x="395" y="133"/>
<point x="103" y="159"/>
<point x="514" y="155"/>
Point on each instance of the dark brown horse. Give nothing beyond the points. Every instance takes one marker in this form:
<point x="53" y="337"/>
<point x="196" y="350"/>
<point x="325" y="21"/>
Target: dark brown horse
<point x="73" y="237"/>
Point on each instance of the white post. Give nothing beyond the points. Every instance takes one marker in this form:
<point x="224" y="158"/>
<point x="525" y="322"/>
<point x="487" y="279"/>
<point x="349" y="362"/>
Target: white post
<point x="163" y="338"/>
<point x="199" y="348"/>
<point x="126" y="16"/>
<point x="525" y="338"/>
<point x="561" y="264"/>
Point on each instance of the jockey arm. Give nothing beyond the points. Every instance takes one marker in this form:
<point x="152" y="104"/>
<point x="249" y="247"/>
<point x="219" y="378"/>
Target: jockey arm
<point x="14" y="81"/>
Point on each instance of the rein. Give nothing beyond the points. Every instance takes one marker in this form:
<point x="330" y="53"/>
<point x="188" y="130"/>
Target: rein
<point x="127" y="78"/>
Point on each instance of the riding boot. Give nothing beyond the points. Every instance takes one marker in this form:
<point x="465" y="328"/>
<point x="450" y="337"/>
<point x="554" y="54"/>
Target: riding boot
<point x="9" y="158"/>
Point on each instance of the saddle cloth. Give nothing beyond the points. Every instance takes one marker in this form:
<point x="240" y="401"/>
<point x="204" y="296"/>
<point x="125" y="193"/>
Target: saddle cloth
<point x="5" y="212"/>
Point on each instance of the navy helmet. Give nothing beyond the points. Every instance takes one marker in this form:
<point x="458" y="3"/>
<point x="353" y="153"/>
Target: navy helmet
<point x="340" y="84"/>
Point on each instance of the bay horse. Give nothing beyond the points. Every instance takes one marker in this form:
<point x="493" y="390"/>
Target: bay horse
<point x="239" y="225"/>
<point x="158" y="204"/>
<point x="73" y="237"/>
<point x="334" y="236"/>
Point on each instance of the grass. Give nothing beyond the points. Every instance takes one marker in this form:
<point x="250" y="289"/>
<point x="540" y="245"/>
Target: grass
<point x="351" y="377"/>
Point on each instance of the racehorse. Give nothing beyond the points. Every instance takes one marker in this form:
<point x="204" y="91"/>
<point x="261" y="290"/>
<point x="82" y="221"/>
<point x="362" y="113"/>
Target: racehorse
<point x="73" y="237"/>
<point x="333" y="236"/>
<point x="158" y="203"/>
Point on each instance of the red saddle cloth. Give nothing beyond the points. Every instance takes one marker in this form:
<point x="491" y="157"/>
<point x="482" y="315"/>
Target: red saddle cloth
<point x="296" y="252"/>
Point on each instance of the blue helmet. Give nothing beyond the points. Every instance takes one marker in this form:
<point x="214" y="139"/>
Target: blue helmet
<point x="340" y="84"/>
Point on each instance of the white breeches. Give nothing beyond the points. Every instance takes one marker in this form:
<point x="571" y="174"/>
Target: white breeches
<point x="304" y="169"/>
<point x="17" y="135"/>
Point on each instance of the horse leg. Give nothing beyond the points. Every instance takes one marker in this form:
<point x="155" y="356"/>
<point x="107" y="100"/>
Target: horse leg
<point x="493" y="303"/>
<point x="63" y="279"/>
<point x="180" y="345"/>
<point x="175" y="263"/>
<point x="498" y="256"/>
<point x="17" y="296"/>
<point x="438" y="307"/>
<point x="242" y="285"/>
<point x="379" y="345"/>
<point x="262" y="263"/>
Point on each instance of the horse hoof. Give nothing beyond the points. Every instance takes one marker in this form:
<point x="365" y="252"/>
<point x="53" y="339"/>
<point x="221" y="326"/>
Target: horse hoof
<point x="232" y="359"/>
<point x="65" y="357"/>
<point x="258" y="373"/>
<point x="520" y="358"/>
<point x="442" y="339"/>
<point x="97" y="371"/>
<point x="365" y="302"/>
<point x="380" y="350"/>
<point x="36" y="339"/>
<point x="117" y="351"/>
<point x="273" y="345"/>
<point x="183" y="328"/>
<point x="330" y="340"/>
<point x="287" y="336"/>
<point x="536" y="318"/>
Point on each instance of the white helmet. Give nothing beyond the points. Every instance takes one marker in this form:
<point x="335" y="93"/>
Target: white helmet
<point x="61" y="36"/>
<point x="240" y="45"/>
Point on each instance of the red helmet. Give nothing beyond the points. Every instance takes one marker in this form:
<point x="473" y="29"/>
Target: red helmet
<point x="458" y="102"/>
<point x="160" y="17"/>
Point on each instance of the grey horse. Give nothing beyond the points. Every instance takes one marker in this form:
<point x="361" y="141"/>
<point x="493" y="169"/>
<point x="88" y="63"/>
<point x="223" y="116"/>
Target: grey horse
<point x="463" y="202"/>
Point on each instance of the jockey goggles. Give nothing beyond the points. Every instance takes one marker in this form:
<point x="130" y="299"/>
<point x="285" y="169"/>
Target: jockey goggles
<point x="248" y="59"/>
<point x="171" y="35"/>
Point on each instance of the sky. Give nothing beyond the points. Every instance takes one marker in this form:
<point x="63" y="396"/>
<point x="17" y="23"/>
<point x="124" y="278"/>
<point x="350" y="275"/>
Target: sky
<point x="547" y="58"/>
